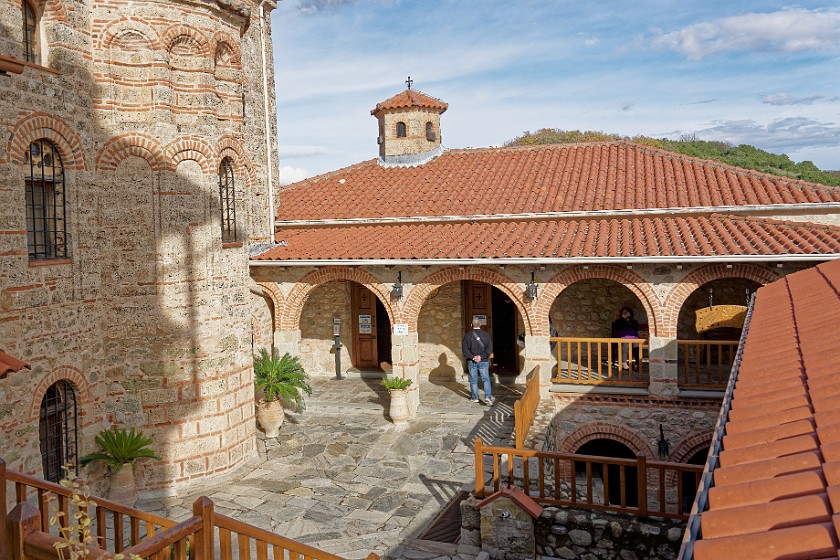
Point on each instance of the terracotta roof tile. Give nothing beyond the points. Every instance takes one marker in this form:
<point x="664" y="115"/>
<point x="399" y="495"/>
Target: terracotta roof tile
<point x="9" y="363"/>
<point x="543" y="238"/>
<point x="410" y="98"/>
<point x="776" y="493"/>
<point x="547" y="178"/>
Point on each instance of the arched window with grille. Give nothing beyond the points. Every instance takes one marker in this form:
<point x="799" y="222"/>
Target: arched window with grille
<point x="227" y="198"/>
<point x="58" y="430"/>
<point x="46" y="233"/>
<point x="430" y="132"/>
<point x="31" y="52"/>
<point x="401" y="130"/>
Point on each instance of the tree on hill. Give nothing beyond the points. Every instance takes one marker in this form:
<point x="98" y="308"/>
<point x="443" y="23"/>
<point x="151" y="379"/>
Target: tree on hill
<point x="744" y="156"/>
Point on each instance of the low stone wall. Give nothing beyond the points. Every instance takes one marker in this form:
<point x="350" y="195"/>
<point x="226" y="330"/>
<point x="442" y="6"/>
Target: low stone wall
<point x="574" y="533"/>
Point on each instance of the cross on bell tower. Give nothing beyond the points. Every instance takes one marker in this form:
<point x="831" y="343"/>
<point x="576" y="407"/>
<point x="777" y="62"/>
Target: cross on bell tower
<point x="408" y="82"/>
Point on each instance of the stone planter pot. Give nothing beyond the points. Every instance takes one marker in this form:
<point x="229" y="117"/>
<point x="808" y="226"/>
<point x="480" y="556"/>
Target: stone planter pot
<point x="399" y="406"/>
<point x="123" y="489"/>
<point x="270" y="415"/>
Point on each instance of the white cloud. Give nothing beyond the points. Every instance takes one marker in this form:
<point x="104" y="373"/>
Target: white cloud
<point x="290" y="174"/>
<point x="789" y="30"/>
<point x="785" y="99"/>
<point x="788" y="134"/>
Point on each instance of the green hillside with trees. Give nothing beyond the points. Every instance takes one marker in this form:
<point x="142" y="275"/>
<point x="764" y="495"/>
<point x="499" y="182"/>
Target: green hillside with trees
<point x="745" y="156"/>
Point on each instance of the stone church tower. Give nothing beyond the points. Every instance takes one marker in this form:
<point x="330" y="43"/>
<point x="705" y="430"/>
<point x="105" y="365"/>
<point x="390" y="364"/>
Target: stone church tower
<point x="136" y="169"/>
<point x="409" y="128"/>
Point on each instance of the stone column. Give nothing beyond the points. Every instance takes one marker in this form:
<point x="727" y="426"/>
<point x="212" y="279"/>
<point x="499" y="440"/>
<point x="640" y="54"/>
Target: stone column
<point x="405" y="353"/>
<point x="538" y="353"/>
<point x="663" y="367"/>
<point x="287" y="341"/>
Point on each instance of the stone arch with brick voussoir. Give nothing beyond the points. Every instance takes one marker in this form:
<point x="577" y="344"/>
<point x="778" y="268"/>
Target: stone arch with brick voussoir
<point x="438" y="310"/>
<point x="694" y="280"/>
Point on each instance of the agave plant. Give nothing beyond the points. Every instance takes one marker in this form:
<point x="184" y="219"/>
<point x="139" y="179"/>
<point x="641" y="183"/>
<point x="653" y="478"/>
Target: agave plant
<point x="281" y="379"/>
<point x="121" y="447"/>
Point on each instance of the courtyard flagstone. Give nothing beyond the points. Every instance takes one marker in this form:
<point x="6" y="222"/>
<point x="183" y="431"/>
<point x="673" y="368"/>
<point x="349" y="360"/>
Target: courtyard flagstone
<point x="343" y="478"/>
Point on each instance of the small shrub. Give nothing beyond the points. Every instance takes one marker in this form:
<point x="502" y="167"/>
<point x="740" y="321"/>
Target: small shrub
<point x="396" y="383"/>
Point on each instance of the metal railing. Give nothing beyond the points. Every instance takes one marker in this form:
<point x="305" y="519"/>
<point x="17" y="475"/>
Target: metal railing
<point x="600" y="361"/>
<point x="634" y="486"/>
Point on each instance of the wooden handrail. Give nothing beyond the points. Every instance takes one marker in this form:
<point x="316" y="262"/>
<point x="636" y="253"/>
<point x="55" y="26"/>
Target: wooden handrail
<point x="525" y="408"/>
<point x="654" y="484"/>
<point x="166" y="538"/>
<point x="697" y="369"/>
<point x="594" y="361"/>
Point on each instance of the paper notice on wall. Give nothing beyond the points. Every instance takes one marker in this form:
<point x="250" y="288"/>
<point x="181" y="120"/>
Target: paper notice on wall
<point x="400" y="329"/>
<point x="481" y="318"/>
<point x="364" y="329"/>
<point x="364" y="319"/>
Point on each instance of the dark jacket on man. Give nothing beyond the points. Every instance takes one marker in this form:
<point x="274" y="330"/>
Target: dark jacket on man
<point x="470" y="346"/>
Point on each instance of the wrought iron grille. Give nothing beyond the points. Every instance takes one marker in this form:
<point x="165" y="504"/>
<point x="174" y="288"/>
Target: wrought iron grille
<point x="45" y="209"/>
<point x="227" y="197"/>
<point x="58" y="430"/>
<point x="401" y="130"/>
<point x="30" y="34"/>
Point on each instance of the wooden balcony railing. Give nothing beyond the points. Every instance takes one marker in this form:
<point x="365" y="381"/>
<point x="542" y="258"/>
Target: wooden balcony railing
<point x="633" y="486"/>
<point x="705" y="364"/>
<point x="26" y="534"/>
<point x="599" y="361"/>
<point x="525" y="408"/>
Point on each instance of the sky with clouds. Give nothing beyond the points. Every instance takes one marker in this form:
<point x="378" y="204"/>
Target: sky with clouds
<point x="756" y="72"/>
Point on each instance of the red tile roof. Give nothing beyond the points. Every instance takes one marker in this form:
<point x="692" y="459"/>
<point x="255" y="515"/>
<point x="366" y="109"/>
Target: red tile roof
<point x="410" y="98"/>
<point x="776" y="490"/>
<point x="651" y="236"/>
<point x="9" y="363"/>
<point x="550" y="178"/>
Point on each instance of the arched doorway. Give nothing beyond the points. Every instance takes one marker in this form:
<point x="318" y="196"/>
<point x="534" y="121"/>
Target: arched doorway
<point x="365" y="329"/>
<point x="582" y="317"/>
<point x="57" y="430"/>
<point x="689" y="484"/>
<point x="706" y="357"/>
<point x="616" y="481"/>
<point x="500" y="319"/>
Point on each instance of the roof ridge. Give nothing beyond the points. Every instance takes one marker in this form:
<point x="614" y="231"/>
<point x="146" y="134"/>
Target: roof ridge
<point x="773" y="221"/>
<point x="322" y="176"/>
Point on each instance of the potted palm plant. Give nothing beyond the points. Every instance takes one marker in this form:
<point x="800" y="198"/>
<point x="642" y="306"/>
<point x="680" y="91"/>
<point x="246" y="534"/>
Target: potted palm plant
<point x="398" y="388"/>
<point x="283" y="383"/>
<point x="120" y="449"/>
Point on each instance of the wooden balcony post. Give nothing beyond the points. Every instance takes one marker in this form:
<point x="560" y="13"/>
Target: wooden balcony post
<point x="642" y="474"/>
<point x="203" y="509"/>
<point x="479" y="468"/>
<point x="22" y="521"/>
<point x="3" y="533"/>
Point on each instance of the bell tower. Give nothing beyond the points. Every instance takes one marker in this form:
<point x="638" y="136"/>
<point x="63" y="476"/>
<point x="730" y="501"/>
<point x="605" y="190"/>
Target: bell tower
<point x="409" y="127"/>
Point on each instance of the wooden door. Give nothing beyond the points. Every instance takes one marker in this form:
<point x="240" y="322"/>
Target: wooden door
<point x="364" y="328"/>
<point x="478" y="300"/>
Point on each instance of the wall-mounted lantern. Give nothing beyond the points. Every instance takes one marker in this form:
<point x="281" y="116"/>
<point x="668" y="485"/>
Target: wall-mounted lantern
<point x="397" y="289"/>
<point x="531" y="288"/>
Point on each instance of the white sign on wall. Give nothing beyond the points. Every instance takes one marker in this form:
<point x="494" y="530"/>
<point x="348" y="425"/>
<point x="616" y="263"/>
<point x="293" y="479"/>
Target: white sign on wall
<point x="400" y="329"/>
<point x="481" y="318"/>
<point x="364" y="319"/>
<point x="364" y="329"/>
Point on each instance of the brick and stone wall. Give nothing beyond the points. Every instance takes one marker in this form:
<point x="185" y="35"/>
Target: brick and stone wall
<point x="316" y="329"/>
<point x="149" y="317"/>
<point x="440" y="330"/>
<point x="588" y="308"/>
<point x="415" y="141"/>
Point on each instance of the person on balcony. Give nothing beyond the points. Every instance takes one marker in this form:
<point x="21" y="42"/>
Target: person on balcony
<point x="477" y="348"/>
<point x="625" y="327"/>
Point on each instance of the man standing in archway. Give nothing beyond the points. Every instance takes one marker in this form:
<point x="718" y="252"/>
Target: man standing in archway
<point x="477" y="347"/>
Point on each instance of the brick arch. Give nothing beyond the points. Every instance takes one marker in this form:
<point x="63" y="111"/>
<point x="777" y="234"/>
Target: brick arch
<point x="689" y="446"/>
<point x="242" y="166"/>
<point x="220" y="38"/>
<point x="57" y="10"/>
<point x="422" y="289"/>
<point x="272" y="291"/>
<point x="125" y="145"/>
<point x="565" y="278"/>
<point x="175" y="32"/>
<point x="603" y="430"/>
<point x="108" y="35"/>
<point x="81" y="387"/>
<point x="293" y="308"/>
<point x="41" y="125"/>
<point x="191" y="148"/>
<point x="703" y="275"/>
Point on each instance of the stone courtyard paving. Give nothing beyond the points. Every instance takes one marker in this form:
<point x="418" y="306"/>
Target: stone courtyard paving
<point x="342" y="478"/>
